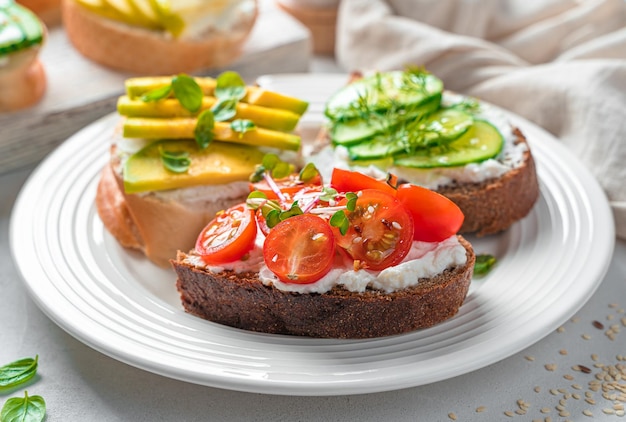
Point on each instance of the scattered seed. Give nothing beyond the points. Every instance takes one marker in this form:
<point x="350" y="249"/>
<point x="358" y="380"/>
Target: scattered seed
<point x="452" y="416"/>
<point x="537" y="389"/>
<point x="613" y="305"/>
<point x="594" y="357"/>
<point x="610" y="317"/>
<point x="563" y="352"/>
<point x="577" y="386"/>
<point x="550" y="366"/>
<point x="480" y="409"/>
<point x="568" y="377"/>
<point x="586" y="336"/>
<point x="562" y="329"/>
<point x="520" y="412"/>
<point x="584" y="369"/>
<point x="608" y="411"/>
<point x="598" y="325"/>
<point x="554" y="392"/>
<point x="590" y="401"/>
<point x="576" y="396"/>
<point x="530" y="358"/>
<point x="587" y="412"/>
<point x="545" y="410"/>
<point x="620" y="412"/>
<point x="575" y="319"/>
<point x="511" y="414"/>
<point x="564" y="414"/>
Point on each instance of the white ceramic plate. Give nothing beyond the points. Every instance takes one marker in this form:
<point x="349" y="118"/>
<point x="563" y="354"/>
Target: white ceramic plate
<point x="549" y="264"/>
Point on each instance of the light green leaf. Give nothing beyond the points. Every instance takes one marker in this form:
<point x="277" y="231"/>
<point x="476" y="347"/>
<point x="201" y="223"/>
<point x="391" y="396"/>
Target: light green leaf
<point x="230" y="85"/>
<point x="203" y="131"/>
<point x="175" y="161"/>
<point x="188" y="92"/>
<point x="157" y="94"/>
<point x="26" y="409"/>
<point x="17" y="372"/>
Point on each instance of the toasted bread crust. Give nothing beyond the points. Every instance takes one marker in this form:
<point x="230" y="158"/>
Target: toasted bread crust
<point x="243" y="301"/>
<point x="149" y="223"/>
<point x="144" y="51"/>
<point x="494" y="205"/>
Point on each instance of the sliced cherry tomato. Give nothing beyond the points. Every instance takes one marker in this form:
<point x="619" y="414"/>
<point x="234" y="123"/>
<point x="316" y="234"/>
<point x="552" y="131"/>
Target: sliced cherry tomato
<point x="229" y="236"/>
<point x="353" y="181"/>
<point x="435" y="217"/>
<point x="289" y="185"/>
<point x="380" y="232"/>
<point x="300" y="249"/>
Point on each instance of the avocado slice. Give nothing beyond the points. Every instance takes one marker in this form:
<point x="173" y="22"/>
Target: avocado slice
<point x="136" y="87"/>
<point x="184" y="127"/>
<point x="269" y="118"/>
<point x="217" y="164"/>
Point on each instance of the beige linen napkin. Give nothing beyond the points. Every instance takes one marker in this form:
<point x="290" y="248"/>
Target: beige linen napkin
<point x="559" y="63"/>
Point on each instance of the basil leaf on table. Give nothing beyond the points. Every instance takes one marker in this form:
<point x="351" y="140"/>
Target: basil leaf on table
<point x="24" y="409"/>
<point x="484" y="263"/>
<point x="17" y="372"/>
<point x="230" y="85"/>
<point x="203" y="132"/>
<point x="188" y="92"/>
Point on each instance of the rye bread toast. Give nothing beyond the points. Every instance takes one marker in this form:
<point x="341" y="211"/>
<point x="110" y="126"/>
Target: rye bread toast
<point x="241" y="300"/>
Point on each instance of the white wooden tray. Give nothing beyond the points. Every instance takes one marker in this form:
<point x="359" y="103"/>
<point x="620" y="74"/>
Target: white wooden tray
<point x="80" y="91"/>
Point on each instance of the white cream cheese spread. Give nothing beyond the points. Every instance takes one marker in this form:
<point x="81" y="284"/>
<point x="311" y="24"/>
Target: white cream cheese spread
<point x="425" y="260"/>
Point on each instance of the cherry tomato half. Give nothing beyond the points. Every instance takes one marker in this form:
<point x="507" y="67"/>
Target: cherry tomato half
<point x="435" y="217"/>
<point x="229" y="236"/>
<point x="353" y="181"/>
<point x="380" y="232"/>
<point x="289" y="185"/>
<point x="300" y="249"/>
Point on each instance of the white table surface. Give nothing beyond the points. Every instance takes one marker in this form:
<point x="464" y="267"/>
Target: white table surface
<point x="81" y="384"/>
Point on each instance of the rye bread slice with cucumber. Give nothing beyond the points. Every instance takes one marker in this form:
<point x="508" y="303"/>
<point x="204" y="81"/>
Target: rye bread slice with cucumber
<point x="404" y="122"/>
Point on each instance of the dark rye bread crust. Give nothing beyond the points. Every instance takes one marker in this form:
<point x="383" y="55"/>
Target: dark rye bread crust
<point x="495" y="204"/>
<point x="243" y="301"/>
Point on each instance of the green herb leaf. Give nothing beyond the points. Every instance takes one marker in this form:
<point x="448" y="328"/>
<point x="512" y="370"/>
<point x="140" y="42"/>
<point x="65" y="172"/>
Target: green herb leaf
<point x="203" y="131"/>
<point x="270" y="161"/>
<point x="224" y="109"/>
<point x="188" y="92"/>
<point x="340" y="221"/>
<point x="328" y="194"/>
<point x="484" y="263"/>
<point x="242" y="126"/>
<point x="308" y="172"/>
<point x="27" y="409"/>
<point x="175" y="161"/>
<point x="157" y="94"/>
<point x="17" y="372"/>
<point x="230" y="85"/>
<point x="351" y="204"/>
<point x="274" y="216"/>
<point x="282" y="170"/>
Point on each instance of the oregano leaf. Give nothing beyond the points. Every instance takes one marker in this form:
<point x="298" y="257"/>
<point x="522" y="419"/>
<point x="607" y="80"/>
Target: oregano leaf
<point x="24" y="409"/>
<point x="203" y="131"/>
<point x="224" y="110"/>
<point x="308" y="172"/>
<point x="188" y="92"/>
<point x="175" y="161"/>
<point x="282" y="170"/>
<point x="157" y="94"/>
<point x="17" y="372"/>
<point x="242" y="126"/>
<point x="270" y="161"/>
<point x="230" y="85"/>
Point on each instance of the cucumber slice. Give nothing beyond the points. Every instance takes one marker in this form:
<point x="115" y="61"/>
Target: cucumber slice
<point x="381" y="91"/>
<point x="357" y="130"/>
<point x="19" y="28"/>
<point x="441" y="127"/>
<point x="481" y="142"/>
